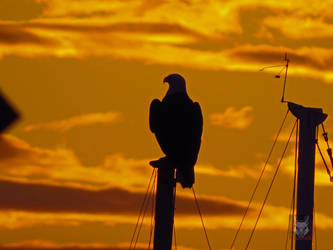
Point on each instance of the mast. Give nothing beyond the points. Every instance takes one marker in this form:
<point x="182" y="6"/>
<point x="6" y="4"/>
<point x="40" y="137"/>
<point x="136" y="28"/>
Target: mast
<point x="309" y="118"/>
<point x="165" y="205"/>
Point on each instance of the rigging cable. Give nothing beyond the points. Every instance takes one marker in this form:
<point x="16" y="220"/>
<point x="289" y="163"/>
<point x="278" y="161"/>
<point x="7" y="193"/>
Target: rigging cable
<point x="152" y="212"/>
<point x="322" y="156"/>
<point x="314" y="208"/>
<point x="294" y="189"/>
<point x="285" y="76"/>
<point x="141" y="209"/>
<point x="289" y="222"/>
<point x="270" y="186"/>
<point x="292" y="206"/>
<point x="202" y="222"/>
<point x="258" y="182"/>
<point x="329" y="152"/>
<point x="325" y="135"/>
<point x="143" y="216"/>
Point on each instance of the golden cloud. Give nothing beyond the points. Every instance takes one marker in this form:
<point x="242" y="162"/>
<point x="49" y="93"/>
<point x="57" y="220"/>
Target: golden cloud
<point x="76" y="121"/>
<point x="54" y="178"/>
<point x="232" y="118"/>
<point x="27" y="204"/>
<point x="62" y="191"/>
<point x="137" y="30"/>
<point x="24" y="162"/>
<point x="242" y="171"/>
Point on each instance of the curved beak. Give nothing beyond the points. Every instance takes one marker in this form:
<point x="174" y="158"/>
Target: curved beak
<point x="166" y="79"/>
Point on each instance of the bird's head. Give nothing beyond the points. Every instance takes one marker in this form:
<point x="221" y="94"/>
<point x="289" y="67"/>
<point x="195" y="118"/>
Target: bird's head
<point x="176" y="84"/>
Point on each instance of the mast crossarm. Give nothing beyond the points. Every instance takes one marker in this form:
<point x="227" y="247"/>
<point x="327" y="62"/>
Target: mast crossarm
<point x="317" y="115"/>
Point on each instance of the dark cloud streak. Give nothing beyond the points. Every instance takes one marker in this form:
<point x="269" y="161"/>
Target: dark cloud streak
<point x="128" y="27"/>
<point x="60" y="199"/>
<point x="10" y="34"/>
<point x="26" y="32"/>
<point x="271" y="56"/>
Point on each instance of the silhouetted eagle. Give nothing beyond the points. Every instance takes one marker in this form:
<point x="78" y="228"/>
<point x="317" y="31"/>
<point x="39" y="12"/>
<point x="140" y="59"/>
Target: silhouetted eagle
<point x="177" y="125"/>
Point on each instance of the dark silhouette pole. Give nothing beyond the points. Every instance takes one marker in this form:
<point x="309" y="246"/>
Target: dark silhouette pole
<point x="309" y="118"/>
<point x="165" y="205"/>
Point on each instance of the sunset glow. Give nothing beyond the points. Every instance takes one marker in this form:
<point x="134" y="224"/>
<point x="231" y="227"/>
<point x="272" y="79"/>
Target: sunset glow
<point x="75" y="168"/>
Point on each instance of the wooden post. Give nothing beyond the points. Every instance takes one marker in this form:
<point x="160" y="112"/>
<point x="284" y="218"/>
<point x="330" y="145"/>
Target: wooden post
<point x="165" y="205"/>
<point x="309" y="118"/>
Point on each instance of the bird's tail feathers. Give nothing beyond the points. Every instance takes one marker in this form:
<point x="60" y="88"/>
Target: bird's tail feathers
<point x="185" y="177"/>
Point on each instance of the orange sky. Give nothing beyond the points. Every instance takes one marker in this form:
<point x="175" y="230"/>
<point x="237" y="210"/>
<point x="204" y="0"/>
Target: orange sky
<point x="74" y="169"/>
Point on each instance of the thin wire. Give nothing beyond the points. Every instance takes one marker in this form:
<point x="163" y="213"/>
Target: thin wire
<point x="314" y="208"/>
<point x="283" y="68"/>
<point x="329" y="150"/>
<point x="152" y="212"/>
<point x="289" y="222"/>
<point x="322" y="126"/>
<point x="294" y="189"/>
<point x="322" y="156"/>
<point x="143" y="216"/>
<point x="258" y="182"/>
<point x="141" y="208"/>
<point x="293" y="233"/>
<point x="142" y="219"/>
<point x="270" y="186"/>
<point x="291" y="211"/>
<point x="285" y="79"/>
<point x="274" y="66"/>
<point x="202" y="222"/>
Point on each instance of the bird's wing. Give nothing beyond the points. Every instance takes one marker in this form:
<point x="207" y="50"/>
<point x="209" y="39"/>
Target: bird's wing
<point x="155" y="115"/>
<point x="196" y="131"/>
<point x="158" y="124"/>
<point x="197" y="119"/>
<point x="185" y="171"/>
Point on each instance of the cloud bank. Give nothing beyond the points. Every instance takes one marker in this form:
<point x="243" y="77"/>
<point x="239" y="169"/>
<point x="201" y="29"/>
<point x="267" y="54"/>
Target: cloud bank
<point x="76" y="121"/>
<point x="232" y="118"/>
<point x="232" y="35"/>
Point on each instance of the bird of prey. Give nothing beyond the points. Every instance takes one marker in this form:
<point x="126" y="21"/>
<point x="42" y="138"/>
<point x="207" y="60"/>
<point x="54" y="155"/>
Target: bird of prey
<point x="177" y="124"/>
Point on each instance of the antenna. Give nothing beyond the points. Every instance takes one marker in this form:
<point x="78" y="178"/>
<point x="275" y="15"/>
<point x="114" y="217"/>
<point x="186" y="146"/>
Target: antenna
<point x="283" y="67"/>
<point x="286" y="59"/>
